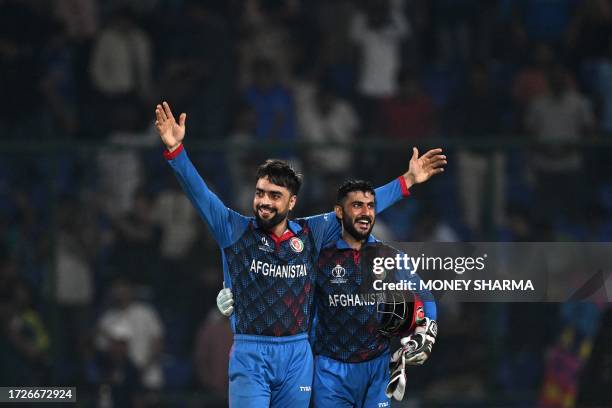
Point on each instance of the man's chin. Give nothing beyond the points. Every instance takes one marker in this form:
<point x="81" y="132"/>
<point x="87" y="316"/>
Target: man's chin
<point x="270" y="222"/>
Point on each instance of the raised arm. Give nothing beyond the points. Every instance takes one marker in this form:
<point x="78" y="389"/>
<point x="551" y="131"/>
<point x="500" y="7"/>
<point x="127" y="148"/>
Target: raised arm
<point x="226" y="225"/>
<point x="325" y="227"/>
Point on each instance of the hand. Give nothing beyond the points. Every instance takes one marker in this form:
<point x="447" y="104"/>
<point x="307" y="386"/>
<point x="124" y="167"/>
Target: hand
<point x="225" y="302"/>
<point x="415" y="350"/>
<point x="417" y="347"/>
<point x="171" y="133"/>
<point x="423" y="168"/>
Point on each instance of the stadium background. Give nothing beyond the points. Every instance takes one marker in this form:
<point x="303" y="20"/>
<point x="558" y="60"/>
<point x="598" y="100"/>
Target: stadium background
<point x="108" y="277"/>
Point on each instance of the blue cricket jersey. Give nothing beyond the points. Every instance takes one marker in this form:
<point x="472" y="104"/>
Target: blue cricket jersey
<point x="347" y="318"/>
<point x="271" y="277"/>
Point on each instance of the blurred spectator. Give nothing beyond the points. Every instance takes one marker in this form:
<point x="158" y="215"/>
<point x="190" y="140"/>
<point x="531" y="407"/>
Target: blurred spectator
<point x="456" y="22"/>
<point x="145" y="334"/>
<point x="592" y="24"/>
<point x="242" y="160"/>
<point x="24" y="342"/>
<point x="337" y="53"/>
<point x="75" y="248"/>
<point x="137" y="242"/>
<point x="119" y="381"/>
<point x="21" y="107"/>
<point x="557" y="120"/>
<point x="596" y="378"/>
<point x="544" y="20"/>
<point x="378" y="31"/>
<point x="532" y="80"/>
<point x="476" y="114"/>
<point x="602" y="87"/>
<point x="58" y="84"/>
<point x="266" y="36"/>
<point x="121" y="68"/>
<point x="198" y="66"/>
<point x="211" y="355"/>
<point x="430" y="227"/>
<point x="178" y="219"/>
<point x="120" y="173"/>
<point x="326" y="119"/>
<point x="409" y="114"/>
<point x="273" y="103"/>
<point x="80" y="17"/>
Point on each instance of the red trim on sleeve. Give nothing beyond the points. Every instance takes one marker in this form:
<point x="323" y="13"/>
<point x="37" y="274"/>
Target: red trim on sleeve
<point x="405" y="191"/>
<point x="171" y="155"/>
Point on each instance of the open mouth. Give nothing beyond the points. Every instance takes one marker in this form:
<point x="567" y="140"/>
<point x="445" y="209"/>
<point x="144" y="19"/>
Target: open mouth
<point x="265" y="212"/>
<point x="363" y="224"/>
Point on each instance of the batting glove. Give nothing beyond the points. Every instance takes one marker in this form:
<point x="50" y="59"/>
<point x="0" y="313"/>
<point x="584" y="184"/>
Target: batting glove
<point x="225" y="302"/>
<point x="415" y="350"/>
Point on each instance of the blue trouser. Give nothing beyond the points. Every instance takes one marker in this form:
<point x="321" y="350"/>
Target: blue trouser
<point x="338" y="384"/>
<point x="270" y="371"/>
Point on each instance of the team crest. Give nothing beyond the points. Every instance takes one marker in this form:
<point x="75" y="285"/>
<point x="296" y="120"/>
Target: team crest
<point x="296" y="245"/>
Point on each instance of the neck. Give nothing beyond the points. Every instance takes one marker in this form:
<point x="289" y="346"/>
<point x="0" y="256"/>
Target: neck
<point x="352" y="241"/>
<point x="279" y="229"/>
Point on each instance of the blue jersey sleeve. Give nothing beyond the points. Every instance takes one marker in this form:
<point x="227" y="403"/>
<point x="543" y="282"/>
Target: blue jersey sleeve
<point x="429" y="302"/>
<point x="326" y="229"/>
<point x="226" y="225"/>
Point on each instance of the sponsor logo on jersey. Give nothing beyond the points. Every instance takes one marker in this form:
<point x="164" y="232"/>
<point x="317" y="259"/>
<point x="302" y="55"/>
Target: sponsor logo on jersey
<point x="296" y="245"/>
<point x="305" y="388"/>
<point x="338" y="273"/>
<point x="265" y="245"/>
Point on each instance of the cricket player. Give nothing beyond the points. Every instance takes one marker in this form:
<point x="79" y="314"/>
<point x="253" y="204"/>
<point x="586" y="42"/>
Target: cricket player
<point x="352" y="352"/>
<point x="268" y="264"/>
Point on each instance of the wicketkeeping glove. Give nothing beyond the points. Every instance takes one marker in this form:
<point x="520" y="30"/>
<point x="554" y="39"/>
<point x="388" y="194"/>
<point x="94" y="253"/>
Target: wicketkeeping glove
<point x="225" y="302"/>
<point x="414" y="350"/>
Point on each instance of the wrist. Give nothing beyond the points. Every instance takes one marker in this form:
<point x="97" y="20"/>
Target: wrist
<point x="409" y="179"/>
<point x="173" y="148"/>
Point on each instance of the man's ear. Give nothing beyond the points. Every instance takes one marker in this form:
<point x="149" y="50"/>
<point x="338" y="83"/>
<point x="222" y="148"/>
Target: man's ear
<point x="292" y="201"/>
<point x="339" y="212"/>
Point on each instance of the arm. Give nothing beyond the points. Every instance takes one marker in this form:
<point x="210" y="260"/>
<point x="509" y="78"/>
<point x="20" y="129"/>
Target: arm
<point x="225" y="224"/>
<point x="326" y="228"/>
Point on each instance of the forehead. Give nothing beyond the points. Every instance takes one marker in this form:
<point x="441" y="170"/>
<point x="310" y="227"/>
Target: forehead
<point x="266" y="185"/>
<point x="363" y="196"/>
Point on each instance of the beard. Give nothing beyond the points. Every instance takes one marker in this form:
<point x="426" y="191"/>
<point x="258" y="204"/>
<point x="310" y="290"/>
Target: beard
<point x="273" y="221"/>
<point x="349" y="226"/>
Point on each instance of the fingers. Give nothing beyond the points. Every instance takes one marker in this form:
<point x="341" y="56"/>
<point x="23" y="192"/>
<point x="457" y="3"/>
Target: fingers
<point x="415" y="153"/>
<point x="160" y="114"/>
<point x="182" y="119"/>
<point x="167" y="110"/>
<point x="437" y="161"/>
<point x="432" y="152"/>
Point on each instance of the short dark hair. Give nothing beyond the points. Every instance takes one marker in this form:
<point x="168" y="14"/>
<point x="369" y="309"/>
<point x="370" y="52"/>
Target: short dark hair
<point x="353" y="185"/>
<point x="282" y="174"/>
